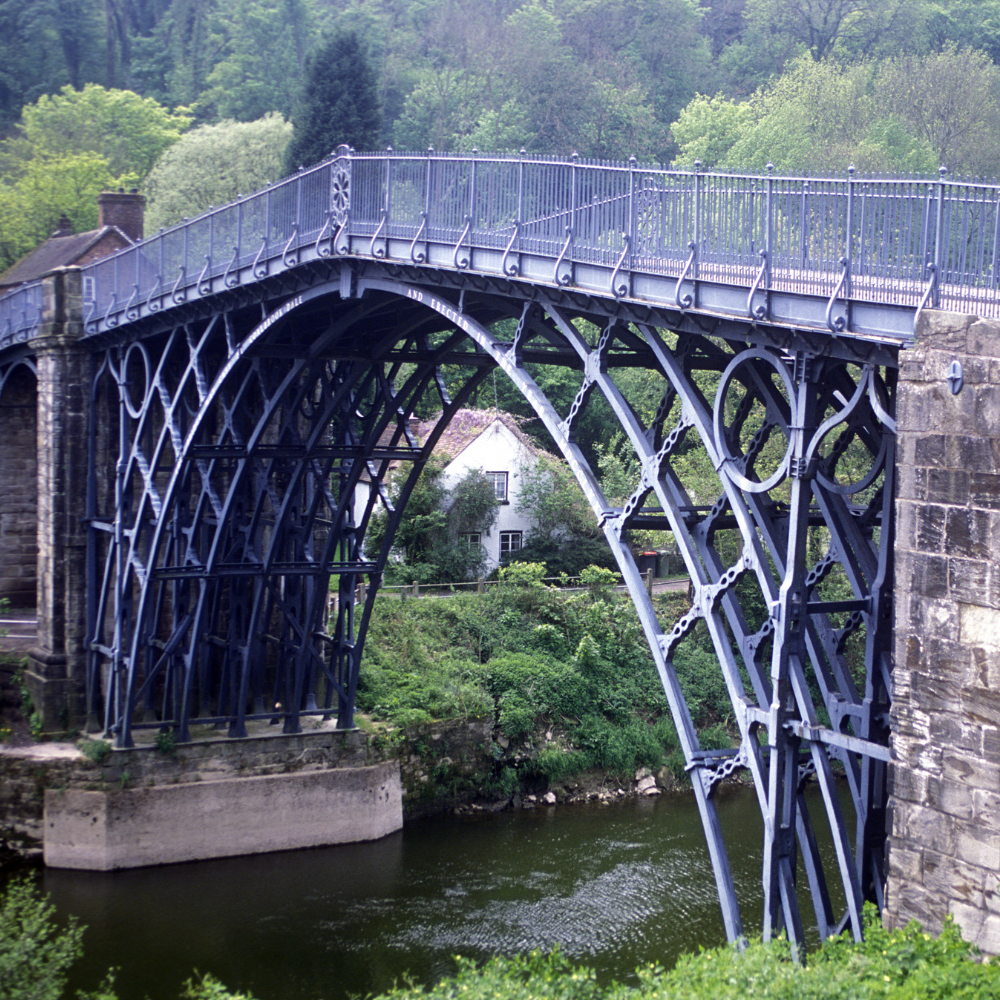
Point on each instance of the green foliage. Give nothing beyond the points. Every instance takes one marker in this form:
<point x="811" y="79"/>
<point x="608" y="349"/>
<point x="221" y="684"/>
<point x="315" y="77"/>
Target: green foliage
<point x="34" y="954"/>
<point x="28" y="709"/>
<point x="43" y="189"/>
<point x="212" y="165"/>
<point x="535" y="976"/>
<point x="207" y="987"/>
<point x="552" y="498"/>
<point x="599" y="581"/>
<point x="902" y="114"/>
<point x="339" y="104"/>
<point x="69" y="148"/>
<point x="166" y="744"/>
<point x="129" y="132"/>
<point x="906" y="964"/>
<point x="95" y="750"/>
<point x="433" y="533"/>
<point x="242" y="84"/>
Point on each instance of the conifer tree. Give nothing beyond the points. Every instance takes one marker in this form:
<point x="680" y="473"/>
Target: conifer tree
<point x="339" y="103"/>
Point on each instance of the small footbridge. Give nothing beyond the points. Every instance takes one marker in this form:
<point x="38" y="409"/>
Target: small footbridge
<point x="213" y="401"/>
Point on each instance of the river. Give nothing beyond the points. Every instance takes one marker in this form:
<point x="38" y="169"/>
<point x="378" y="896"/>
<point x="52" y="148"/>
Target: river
<point x="613" y="886"/>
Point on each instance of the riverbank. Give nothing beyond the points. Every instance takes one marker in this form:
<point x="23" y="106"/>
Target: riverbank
<point x="516" y="699"/>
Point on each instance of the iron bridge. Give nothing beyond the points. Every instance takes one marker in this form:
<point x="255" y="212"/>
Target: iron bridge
<point x="253" y="367"/>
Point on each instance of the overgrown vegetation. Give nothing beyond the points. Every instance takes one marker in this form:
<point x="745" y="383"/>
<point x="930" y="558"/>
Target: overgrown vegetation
<point x="95" y="750"/>
<point x="906" y="964"/>
<point x="432" y="540"/>
<point x="35" y="955"/>
<point x="574" y="668"/>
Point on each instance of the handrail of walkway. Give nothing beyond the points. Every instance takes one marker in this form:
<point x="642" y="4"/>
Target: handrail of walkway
<point x="20" y="313"/>
<point x="902" y="242"/>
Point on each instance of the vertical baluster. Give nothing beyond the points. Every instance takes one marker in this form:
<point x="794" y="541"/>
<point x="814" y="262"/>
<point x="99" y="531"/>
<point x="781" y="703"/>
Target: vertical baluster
<point x="996" y="244"/>
<point x="938" y="248"/>
<point x="849" y="237"/>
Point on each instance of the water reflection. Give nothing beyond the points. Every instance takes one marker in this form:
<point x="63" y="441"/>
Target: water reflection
<point x="614" y="886"/>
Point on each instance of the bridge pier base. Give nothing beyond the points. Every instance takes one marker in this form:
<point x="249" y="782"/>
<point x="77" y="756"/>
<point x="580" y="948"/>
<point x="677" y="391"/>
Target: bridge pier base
<point x="945" y="793"/>
<point x="56" y="671"/>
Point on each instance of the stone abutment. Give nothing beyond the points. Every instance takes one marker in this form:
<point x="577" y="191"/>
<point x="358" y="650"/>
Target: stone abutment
<point x="944" y="853"/>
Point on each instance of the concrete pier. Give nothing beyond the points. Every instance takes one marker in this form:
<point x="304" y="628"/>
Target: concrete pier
<point x="165" y="824"/>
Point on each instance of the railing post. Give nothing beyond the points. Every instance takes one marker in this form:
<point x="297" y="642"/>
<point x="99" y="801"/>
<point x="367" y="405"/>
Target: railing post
<point x="995" y="279"/>
<point x="427" y="194"/>
<point x="520" y="193"/>
<point x="631" y="211"/>
<point x="804" y="223"/>
<point x="574" y="164"/>
<point x="388" y="197"/>
<point x="696" y="236"/>
<point x="938" y="248"/>
<point x="767" y="226"/>
<point x="849" y="239"/>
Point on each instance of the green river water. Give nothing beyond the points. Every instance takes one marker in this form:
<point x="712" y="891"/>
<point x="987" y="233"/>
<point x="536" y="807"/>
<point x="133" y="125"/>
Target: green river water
<point x="613" y="886"/>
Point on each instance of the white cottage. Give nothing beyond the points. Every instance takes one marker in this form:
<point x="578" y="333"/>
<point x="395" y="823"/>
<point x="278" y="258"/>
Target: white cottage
<point x="493" y="442"/>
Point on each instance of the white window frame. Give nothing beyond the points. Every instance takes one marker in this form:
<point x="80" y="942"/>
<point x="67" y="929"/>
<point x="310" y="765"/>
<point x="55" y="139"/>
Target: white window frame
<point x="506" y="537"/>
<point x="499" y="481"/>
<point x="472" y="538"/>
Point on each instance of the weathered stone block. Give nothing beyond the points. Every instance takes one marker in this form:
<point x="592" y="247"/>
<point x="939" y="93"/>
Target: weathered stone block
<point x="929" y="575"/>
<point x="979" y="927"/>
<point x="968" y="533"/>
<point x="166" y="824"/>
<point x="943" y="331"/>
<point x="984" y="490"/>
<point x="982" y="339"/>
<point x="968" y="580"/>
<point x="980" y="626"/>
<point x="931" y="522"/>
<point x="929" y="828"/>
<point x="968" y="770"/>
<point x="952" y="879"/>
<point x="955" y="800"/>
<point x="981" y="706"/>
<point x="930" y="450"/>
<point x="950" y="486"/>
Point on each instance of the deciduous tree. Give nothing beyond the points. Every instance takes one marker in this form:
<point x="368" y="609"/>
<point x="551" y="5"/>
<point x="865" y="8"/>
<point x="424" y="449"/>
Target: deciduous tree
<point x="213" y="164"/>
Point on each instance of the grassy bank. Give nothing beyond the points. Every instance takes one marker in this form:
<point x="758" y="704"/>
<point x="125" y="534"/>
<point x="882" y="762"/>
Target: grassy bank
<point x="567" y="679"/>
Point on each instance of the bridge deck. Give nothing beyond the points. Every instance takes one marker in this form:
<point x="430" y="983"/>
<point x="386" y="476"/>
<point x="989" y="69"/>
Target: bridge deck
<point x="853" y="256"/>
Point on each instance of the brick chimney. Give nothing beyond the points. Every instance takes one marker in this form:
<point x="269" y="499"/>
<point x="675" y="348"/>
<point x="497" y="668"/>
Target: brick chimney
<point x="116" y="208"/>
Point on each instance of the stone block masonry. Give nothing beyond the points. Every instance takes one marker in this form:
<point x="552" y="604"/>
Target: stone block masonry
<point x="944" y="854"/>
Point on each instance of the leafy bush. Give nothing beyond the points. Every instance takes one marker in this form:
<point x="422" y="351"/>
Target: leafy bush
<point x="96" y="750"/>
<point x="34" y="954"/>
<point x="906" y="964"/>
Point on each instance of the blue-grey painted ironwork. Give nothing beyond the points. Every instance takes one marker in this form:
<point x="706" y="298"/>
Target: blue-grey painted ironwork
<point x="255" y="369"/>
<point x="853" y="241"/>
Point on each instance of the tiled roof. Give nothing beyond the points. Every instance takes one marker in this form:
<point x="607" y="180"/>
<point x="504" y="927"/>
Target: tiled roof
<point x="466" y="426"/>
<point x="56" y="251"/>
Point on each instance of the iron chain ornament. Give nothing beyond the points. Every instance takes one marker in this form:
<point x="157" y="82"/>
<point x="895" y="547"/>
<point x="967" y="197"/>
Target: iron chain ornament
<point x="256" y="367"/>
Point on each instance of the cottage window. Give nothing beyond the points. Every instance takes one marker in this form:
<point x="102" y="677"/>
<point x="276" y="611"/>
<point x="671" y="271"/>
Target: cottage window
<point x="510" y="542"/>
<point x="499" y="481"/>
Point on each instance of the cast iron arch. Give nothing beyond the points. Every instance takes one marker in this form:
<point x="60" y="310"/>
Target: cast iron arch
<point x="243" y="443"/>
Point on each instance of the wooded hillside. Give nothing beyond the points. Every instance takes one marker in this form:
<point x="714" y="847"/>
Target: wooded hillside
<point x="606" y="78"/>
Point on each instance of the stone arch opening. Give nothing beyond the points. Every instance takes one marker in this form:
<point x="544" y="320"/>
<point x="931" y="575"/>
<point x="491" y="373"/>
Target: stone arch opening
<point x="19" y="474"/>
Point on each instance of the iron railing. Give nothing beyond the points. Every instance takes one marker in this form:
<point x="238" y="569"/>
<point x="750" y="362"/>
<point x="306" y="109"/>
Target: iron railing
<point x="895" y="241"/>
<point x="20" y="313"/>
